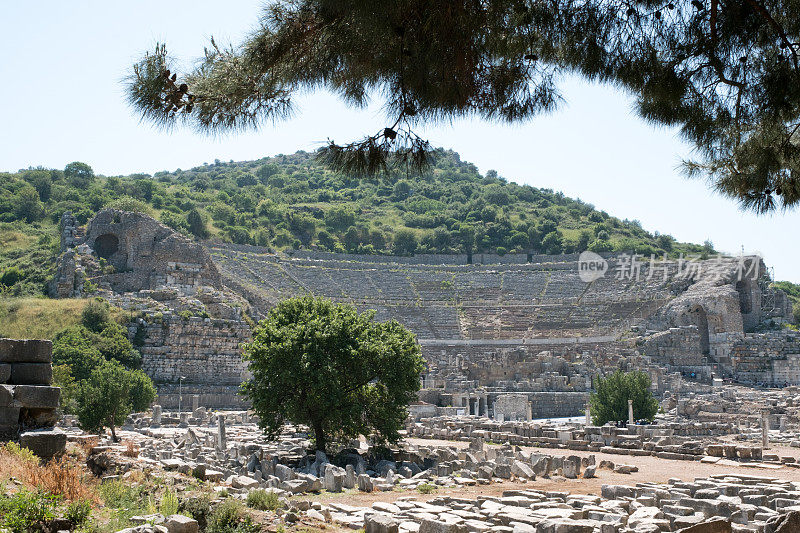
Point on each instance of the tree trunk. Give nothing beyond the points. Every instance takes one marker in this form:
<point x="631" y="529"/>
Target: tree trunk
<point x="113" y="434"/>
<point x="319" y="436"/>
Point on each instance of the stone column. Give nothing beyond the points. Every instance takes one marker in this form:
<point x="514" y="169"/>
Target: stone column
<point x="195" y="402"/>
<point x="765" y="430"/>
<point x="156" y="415"/>
<point x="782" y="426"/>
<point x="630" y="411"/>
<point x="221" y="440"/>
<point x="588" y="416"/>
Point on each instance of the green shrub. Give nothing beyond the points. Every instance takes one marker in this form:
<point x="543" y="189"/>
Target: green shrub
<point x="26" y="511"/>
<point x="609" y="402"/>
<point x="169" y="504"/>
<point x="230" y="517"/>
<point x="23" y="453"/>
<point x="78" y="512"/>
<point x="96" y="315"/>
<point x="263" y="500"/>
<point x="127" y="499"/>
<point x="198" y="508"/>
<point x="427" y="488"/>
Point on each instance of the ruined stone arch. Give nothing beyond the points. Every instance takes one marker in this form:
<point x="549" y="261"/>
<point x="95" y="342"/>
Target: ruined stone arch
<point x="699" y="317"/>
<point x="106" y="245"/>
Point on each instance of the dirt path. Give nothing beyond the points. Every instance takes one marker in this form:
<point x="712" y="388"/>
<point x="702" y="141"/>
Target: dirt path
<point x="651" y="469"/>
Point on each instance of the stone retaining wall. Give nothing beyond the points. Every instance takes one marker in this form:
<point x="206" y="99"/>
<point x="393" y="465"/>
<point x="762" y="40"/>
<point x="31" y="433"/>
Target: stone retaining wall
<point x="27" y="401"/>
<point x="202" y="350"/>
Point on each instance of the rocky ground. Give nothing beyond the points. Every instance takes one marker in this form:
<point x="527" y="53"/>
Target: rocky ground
<point x="446" y="486"/>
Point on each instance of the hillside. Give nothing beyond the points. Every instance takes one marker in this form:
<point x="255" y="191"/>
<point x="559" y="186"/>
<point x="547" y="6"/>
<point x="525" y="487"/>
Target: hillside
<point x="291" y="201"/>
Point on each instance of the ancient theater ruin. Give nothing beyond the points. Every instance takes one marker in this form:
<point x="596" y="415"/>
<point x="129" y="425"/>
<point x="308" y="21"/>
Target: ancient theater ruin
<point x="512" y="338"/>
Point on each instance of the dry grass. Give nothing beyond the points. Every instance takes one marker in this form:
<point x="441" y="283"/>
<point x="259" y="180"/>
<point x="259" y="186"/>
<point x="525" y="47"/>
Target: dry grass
<point x="38" y="318"/>
<point x="131" y="449"/>
<point x="42" y="318"/>
<point x="65" y="477"/>
<point x="11" y="239"/>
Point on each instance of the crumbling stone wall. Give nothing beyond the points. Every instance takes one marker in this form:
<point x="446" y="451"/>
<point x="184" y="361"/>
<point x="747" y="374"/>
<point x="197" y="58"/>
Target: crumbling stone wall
<point x="27" y="401"/>
<point x="203" y="351"/>
<point x="146" y="253"/>
<point x="512" y="407"/>
<point x="676" y="347"/>
<point x="771" y="358"/>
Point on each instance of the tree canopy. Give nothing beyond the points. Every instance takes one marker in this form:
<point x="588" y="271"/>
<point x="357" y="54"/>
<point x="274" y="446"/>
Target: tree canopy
<point x="109" y="395"/>
<point x="327" y="366"/>
<point x="609" y="401"/>
<point x="725" y="73"/>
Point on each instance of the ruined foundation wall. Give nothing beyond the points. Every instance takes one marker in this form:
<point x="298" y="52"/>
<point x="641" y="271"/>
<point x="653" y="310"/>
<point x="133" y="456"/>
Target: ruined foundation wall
<point x="171" y="396"/>
<point x="557" y="404"/>
<point x="768" y="358"/>
<point x="204" y="351"/>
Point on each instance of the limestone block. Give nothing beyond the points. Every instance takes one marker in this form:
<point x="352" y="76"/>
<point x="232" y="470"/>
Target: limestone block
<point x="333" y="480"/>
<point x="712" y="526"/>
<point x="520" y="469"/>
<point x="380" y="523"/>
<point x="243" y="482"/>
<point x="182" y="524"/>
<point x="44" y="443"/>
<point x="437" y="526"/>
<point x="37" y="396"/>
<point x="31" y="373"/>
<point x="25" y="351"/>
<point x="7" y="396"/>
<point x="5" y="372"/>
<point x="365" y="483"/>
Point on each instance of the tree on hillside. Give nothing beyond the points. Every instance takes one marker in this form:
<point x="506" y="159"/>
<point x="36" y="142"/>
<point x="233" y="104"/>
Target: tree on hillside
<point x="197" y="226"/>
<point x="609" y="402"/>
<point x="79" y="174"/>
<point x="27" y="206"/>
<point x="724" y="73"/>
<point x="339" y="372"/>
<point x="405" y="243"/>
<point x="109" y="395"/>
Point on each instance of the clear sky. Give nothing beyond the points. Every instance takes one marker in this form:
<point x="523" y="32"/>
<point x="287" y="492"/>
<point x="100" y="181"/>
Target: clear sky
<point x="62" y="100"/>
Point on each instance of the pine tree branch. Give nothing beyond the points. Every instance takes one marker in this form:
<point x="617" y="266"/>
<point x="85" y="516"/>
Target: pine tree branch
<point x="778" y="28"/>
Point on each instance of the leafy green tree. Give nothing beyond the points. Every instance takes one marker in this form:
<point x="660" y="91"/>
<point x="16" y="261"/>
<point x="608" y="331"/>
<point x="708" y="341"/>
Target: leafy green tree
<point x="325" y="365"/>
<point x="44" y="186"/>
<point x="405" y="242"/>
<point x="725" y="75"/>
<point x="72" y="347"/>
<point x="609" y="402"/>
<point x="27" y="205"/>
<point x="339" y="218"/>
<point x="196" y="224"/>
<point x="79" y="174"/>
<point x="11" y="276"/>
<point x="113" y="344"/>
<point x="96" y="315"/>
<point x="351" y="239"/>
<point x="107" y="397"/>
<point x="326" y="240"/>
<point x="142" y="392"/>
<point x="174" y="221"/>
<point x="552" y="243"/>
<point x="63" y="378"/>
